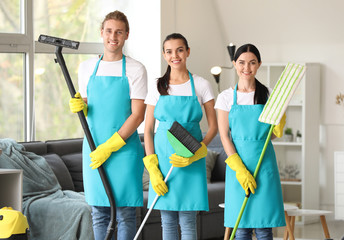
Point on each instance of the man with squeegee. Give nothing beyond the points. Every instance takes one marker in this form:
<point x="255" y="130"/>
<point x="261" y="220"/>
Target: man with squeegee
<point x="112" y="92"/>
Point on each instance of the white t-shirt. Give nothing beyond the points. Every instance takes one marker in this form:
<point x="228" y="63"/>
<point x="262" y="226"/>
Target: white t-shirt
<point x="225" y="99"/>
<point x="203" y="89"/>
<point x="135" y="71"/>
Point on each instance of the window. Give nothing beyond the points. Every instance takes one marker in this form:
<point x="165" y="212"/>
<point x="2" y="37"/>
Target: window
<point x="74" y="20"/>
<point x="11" y="95"/>
<point x="53" y="117"/>
<point x="10" y="16"/>
<point x="39" y="110"/>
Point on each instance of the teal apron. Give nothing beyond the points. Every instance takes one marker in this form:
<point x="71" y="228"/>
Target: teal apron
<point x="187" y="185"/>
<point x="109" y="106"/>
<point x="264" y="209"/>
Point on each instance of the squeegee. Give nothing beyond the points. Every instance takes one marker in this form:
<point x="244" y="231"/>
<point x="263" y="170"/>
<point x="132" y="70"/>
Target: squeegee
<point x="60" y="43"/>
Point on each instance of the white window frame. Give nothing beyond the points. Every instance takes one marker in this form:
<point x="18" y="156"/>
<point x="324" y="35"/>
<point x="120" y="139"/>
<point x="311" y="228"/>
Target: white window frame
<point x="25" y="43"/>
<point x="22" y="43"/>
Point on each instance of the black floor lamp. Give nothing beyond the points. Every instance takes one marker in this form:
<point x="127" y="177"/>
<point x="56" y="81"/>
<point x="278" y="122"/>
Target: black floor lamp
<point x="216" y="70"/>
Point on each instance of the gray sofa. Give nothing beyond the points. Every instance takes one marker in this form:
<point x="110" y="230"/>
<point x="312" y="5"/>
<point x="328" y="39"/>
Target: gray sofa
<point x="65" y="158"/>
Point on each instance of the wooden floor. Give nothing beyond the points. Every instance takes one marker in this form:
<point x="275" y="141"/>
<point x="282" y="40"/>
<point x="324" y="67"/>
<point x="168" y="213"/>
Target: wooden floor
<point x="315" y="231"/>
<point x="312" y="231"/>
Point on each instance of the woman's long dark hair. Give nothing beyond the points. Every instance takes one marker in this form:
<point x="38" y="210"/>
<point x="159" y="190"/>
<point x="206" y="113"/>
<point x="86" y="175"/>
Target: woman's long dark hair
<point x="163" y="82"/>
<point x="261" y="94"/>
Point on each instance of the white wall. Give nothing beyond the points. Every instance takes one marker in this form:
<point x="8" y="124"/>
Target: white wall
<point x="293" y="30"/>
<point x="197" y="21"/>
<point x="144" y="35"/>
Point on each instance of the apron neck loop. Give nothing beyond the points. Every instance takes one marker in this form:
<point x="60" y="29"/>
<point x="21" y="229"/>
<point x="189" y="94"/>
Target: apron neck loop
<point x="123" y="66"/>
<point x="192" y="85"/>
<point x="235" y="95"/>
<point x="97" y="65"/>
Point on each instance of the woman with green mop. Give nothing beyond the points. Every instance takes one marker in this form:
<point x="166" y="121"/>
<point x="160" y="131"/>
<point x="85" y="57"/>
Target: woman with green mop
<point x="114" y="87"/>
<point x="178" y="96"/>
<point x="243" y="138"/>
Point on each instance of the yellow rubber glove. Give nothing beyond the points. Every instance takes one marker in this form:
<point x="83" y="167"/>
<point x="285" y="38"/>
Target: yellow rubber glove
<point x="151" y="163"/>
<point x="278" y="129"/>
<point x="244" y="177"/>
<point x="103" y="151"/>
<point x="76" y="104"/>
<point x="178" y="161"/>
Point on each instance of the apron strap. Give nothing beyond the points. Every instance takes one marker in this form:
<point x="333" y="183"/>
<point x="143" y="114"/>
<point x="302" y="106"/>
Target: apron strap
<point x="97" y="65"/>
<point x="192" y="85"/>
<point x="235" y="95"/>
<point x="123" y="66"/>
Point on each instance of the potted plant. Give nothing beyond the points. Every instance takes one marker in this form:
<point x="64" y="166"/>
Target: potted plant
<point x="288" y="135"/>
<point x="298" y="136"/>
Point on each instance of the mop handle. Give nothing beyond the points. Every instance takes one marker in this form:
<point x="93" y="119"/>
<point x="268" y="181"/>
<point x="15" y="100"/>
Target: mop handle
<point x="263" y="151"/>
<point x="151" y="207"/>
<point x="102" y="173"/>
<point x="254" y="175"/>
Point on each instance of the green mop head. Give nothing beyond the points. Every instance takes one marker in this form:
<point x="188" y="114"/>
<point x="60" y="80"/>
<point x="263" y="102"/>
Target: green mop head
<point x="282" y="94"/>
<point x="182" y="141"/>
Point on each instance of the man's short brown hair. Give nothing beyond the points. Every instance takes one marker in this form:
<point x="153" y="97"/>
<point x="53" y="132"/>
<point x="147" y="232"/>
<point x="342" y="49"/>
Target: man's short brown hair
<point x="116" y="15"/>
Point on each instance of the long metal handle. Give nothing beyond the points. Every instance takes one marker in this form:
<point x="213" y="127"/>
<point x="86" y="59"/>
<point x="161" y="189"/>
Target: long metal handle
<point x="61" y="62"/>
<point x="151" y="207"/>
<point x="254" y="175"/>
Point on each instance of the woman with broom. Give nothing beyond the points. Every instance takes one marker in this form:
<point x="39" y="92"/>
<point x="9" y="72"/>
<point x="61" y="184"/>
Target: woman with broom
<point x="178" y="96"/>
<point x="243" y="138"/>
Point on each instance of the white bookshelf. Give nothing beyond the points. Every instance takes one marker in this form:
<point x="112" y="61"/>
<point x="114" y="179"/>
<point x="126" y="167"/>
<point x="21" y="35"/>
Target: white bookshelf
<point x="303" y="115"/>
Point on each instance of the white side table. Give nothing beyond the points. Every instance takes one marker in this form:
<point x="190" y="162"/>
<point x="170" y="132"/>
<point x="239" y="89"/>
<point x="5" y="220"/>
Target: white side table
<point x="308" y="212"/>
<point x="289" y="229"/>
<point x="11" y="188"/>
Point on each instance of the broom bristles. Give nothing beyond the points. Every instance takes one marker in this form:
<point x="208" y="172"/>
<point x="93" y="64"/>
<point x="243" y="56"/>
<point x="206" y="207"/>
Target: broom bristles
<point x="189" y="141"/>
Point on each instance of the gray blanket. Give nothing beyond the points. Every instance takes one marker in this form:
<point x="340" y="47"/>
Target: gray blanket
<point x="51" y="212"/>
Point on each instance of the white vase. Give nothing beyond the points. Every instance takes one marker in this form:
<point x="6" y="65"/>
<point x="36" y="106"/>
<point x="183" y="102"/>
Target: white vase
<point x="288" y="137"/>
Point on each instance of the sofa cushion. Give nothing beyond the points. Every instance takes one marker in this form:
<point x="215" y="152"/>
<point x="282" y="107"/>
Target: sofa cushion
<point x="216" y="195"/>
<point x="37" y="147"/>
<point x="60" y="170"/>
<point x="145" y="180"/>
<point x="210" y="161"/>
<point x="64" y="146"/>
<point x="219" y="171"/>
<point x="73" y="162"/>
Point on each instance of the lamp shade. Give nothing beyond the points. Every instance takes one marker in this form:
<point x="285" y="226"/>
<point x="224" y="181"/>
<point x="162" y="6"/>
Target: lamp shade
<point x="216" y="71"/>
<point x="231" y="51"/>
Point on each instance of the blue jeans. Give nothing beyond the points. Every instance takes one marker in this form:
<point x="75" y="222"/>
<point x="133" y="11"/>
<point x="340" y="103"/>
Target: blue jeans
<point x="186" y="221"/>
<point x="261" y="233"/>
<point x="126" y="222"/>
